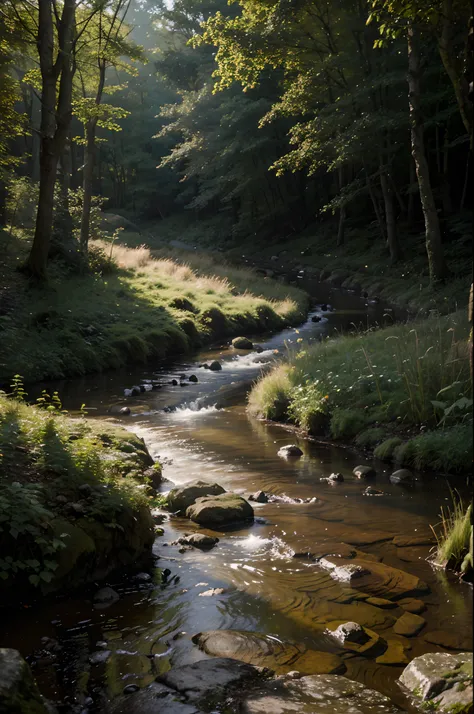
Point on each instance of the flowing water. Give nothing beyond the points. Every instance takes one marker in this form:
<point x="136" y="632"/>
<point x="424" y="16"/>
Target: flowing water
<point x="203" y="431"/>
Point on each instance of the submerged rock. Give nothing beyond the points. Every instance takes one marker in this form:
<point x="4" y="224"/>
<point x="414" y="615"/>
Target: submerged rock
<point x="443" y="681"/>
<point x="193" y="378"/>
<point x="106" y="595"/>
<point x="224" y="509"/>
<point x="290" y="451"/>
<point x="242" y="343"/>
<point x="359" y="639"/>
<point x="319" y="693"/>
<point x="18" y="691"/>
<point x="264" y="651"/>
<point x="402" y="476"/>
<point x="259" y="497"/>
<point x="363" y="472"/>
<point x="209" y="678"/>
<point x="179" y="499"/>
<point x="409" y="624"/>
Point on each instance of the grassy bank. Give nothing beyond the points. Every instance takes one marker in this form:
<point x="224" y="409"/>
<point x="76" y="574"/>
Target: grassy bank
<point x="402" y="393"/>
<point x="133" y="306"/>
<point x="362" y="263"/>
<point x="73" y="499"/>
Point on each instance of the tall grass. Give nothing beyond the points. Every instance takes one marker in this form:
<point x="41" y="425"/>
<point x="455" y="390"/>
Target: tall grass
<point x="410" y="377"/>
<point x="454" y="533"/>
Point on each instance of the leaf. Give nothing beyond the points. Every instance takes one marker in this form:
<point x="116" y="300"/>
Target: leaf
<point x="3" y="575"/>
<point x="439" y="405"/>
<point x="47" y="577"/>
<point x="446" y="389"/>
<point x="34" y="579"/>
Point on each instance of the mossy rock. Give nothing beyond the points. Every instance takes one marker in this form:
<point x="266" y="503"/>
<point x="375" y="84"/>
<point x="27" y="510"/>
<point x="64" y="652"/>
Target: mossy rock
<point x="18" y="691"/>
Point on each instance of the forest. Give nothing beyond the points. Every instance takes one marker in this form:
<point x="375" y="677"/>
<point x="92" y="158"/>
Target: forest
<point x="236" y="363"/>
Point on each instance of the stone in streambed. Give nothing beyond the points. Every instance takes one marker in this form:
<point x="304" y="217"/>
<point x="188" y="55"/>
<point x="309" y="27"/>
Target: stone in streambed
<point x="242" y="343"/>
<point x="409" y="624"/>
<point x="412" y="605"/>
<point x="443" y="681"/>
<point x="319" y="693"/>
<point x="179" y="499"/>
<point x="209" y="678"/>
<point x="291" y="451"/>
<point x="402" y="476"/>
<point x="199" y="540"/>
<point x="363" y="472"/>
<point x="106" y="595"/>
<point x="264" y="651"/>
<point x="356" y="638"/>
<point x="193" y="378"/>
<point x="215" y="366"/>
<point x="224" y="509"/>
<point x="448" y="640"/>
<point x="394" y="655"/>
<point x="259" y="497"/>
<point x="18" y="691"/>
<point x="402" y="541"/>
<point x="381" y="602"/>
<point x="151" y="700"/>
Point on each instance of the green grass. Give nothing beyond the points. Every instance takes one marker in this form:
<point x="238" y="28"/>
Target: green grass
<point x="48" y="462"/>
<point x="453" y="534"/>
<point x="407" y="386"/>
<point x="134" y="307"/>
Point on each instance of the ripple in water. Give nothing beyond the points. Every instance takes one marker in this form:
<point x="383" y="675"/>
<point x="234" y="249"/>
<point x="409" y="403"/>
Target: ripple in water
<point x="274" y="547"/>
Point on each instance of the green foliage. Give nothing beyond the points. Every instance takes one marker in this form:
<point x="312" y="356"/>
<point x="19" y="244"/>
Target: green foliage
<point x="371" y="436"/>
<point x="453" y="533"/>
<point x="385" y="376"/>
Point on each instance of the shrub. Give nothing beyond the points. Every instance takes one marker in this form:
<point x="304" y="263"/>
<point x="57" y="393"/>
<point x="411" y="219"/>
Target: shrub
<point x="270" y="396"/>
<point x="454" y="539"/>
<point x="384" y="451"/>
<point x="369" y="437"/>
<point x="346" y="423"/>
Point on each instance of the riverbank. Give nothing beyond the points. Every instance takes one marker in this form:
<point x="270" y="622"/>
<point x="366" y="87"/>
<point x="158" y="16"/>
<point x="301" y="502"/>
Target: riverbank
<point x="74" y="500"/>
<point x="361" y="264"/>
<point x="402" y="393"/>
<point x="132" y="307"/>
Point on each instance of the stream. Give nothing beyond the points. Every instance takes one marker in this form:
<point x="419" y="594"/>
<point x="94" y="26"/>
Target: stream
<point x="202" y="431"/>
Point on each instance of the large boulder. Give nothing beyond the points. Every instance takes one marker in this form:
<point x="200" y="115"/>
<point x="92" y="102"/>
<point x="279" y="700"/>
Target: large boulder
<point x="180" y="498"/>
<point x="222" y="510"/>
<point x="18" y="691"/>
<point x="442" y="681"/>
<point x="242" y="343"/>
<point x="264" y="651"/>
<point x="320" y="693"/>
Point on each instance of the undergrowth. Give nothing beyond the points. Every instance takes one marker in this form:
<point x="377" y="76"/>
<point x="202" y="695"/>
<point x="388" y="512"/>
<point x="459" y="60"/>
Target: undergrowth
<point x="405" y="390"/>
<point x="131" y="307"/>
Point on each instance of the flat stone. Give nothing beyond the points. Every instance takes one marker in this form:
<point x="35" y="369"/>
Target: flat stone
<point x="356" y="638"/>
<point x="381" y="602"/>
<point x="435" y="678"/>
<point x="409" y="624"/>
<point x="291" y="451"/>
<point x="409" y="541"/>
<point x="412" y="605"/>
<point x="394" y="655"/>
<point x="211" y="592"/>
<point x="364" y="472"/>
<point x="222" y="510"/>
<point x="209" y="677"/>
<point x="264" y="651"/>
<point x="379" y="580"/>
<point x="346" y="573"/>
<point x="371" y="491"/>
<point x="448" y="640"/>
<point x="179" y="499"/>
<point x="99" y="657"/>
<point x="316" y="694"/>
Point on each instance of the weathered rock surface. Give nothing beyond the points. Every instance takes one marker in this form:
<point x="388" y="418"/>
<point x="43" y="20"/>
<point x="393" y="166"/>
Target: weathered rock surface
<point x="364" y="472"/>
<point x="154" y="699"/>
<point x="209" y="678"/>
<point x="412" y="605"/>
<point x="242" y="343"/>
<point x="394" y="655"/>
<point x="179" y="499"/>
<point x="443" y="681"/>
<point x="199" y="540"/>
<point x="18" y="691"/>
<point x="402" y="476"/>
<point x="409" y="624"/>
<point x="317" y="694"/>
<point x="222" y="510"/>
<point x="263" y="651"/>
<point x="259" y="497"/>
<point x="291" y="451"/>
<point x="449" y="640"/>
<point x="356" y="638"/>
<point x="377" y="579"/>
<point x="215" y="366"/>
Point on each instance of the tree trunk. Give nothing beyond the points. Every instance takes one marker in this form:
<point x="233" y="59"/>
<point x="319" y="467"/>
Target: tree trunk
<point x="376" y="206"/>
<point x="55" y="120"/>
<point x="445" y="185"/>
<point x="342" y="211"/>
<point x="392" y="240"/>
<point x="88" y="175"/>
<point x="412" y="194"/>
<point x="434" y="248"/>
